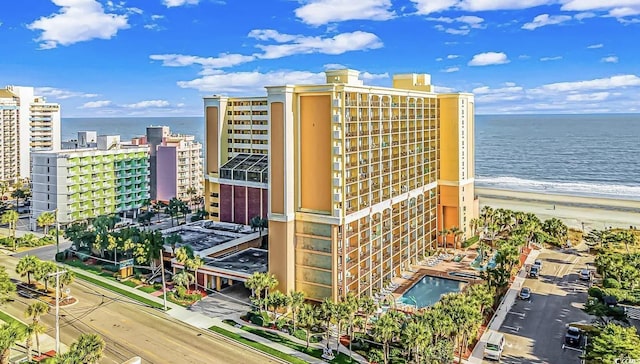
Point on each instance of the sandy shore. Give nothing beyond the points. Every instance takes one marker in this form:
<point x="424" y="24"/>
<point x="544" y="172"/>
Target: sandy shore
<point x="595" y="213"/>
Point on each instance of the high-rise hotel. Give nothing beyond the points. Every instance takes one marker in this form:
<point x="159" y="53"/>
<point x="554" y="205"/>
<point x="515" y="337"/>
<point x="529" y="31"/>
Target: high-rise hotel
<point x="355" y="180"/>
<point x="27" y="124"/>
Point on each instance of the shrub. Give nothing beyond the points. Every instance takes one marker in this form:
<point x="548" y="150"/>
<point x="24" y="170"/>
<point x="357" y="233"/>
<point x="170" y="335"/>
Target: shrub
<point x="376" y="356"/>
<point x="611" y="283"/>
<point x="596" y="292"/>
<point x="110" y="267"/>
<point x="472" y="240"/>
<point x="61" y="256"/>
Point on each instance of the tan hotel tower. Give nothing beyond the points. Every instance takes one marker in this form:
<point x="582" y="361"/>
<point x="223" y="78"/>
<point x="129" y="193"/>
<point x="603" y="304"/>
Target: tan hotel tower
<point x="355" y="180"/>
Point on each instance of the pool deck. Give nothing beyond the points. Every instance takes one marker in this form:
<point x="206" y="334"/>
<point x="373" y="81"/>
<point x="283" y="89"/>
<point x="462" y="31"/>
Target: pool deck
<point x="442" y="269"/>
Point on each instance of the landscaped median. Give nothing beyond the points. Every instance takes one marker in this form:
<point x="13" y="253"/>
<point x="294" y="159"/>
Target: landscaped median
<point x="9" y="319"/>
<point x="256" y="345"/>
<point x="114" y="288"/>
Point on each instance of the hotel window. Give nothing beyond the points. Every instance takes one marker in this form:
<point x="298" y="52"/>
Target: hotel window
<point x="214" y="214"/>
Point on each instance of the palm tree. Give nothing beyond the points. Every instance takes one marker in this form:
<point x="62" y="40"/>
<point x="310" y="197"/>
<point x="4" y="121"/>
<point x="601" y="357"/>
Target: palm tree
<point x="45" y="220"/>
<point x="183" y="278"/>
<point x="7" y="287"/>
<point x="191" y="191"/>
<point x="42" y="271"/>
<point x="414" y="337"/>
<point x="4" y="187"/>
<point x="276" y="300"/>
<point x="26" y="266"/>
<point x="296" y="299"/>
<point x="173" y="240"/>
<point x="34" y="328"/>
<point x="19" y="193"/>
<point x="384" y="330"/>
<point x="11" y="218"/>
<point x="443" y="233"/>
<point x="474" y="224"/>
<point x="327" y="314"/>
<point x="367" y="307"/>
<point x="307" y="319"/>
<point x="195" y="263"/>
<point x="256" y="283"/>
<point x="89" y="348"/>
<point x="10" y="334"/>
<point x="456" y="232"/>
<point x="35" y="311"/>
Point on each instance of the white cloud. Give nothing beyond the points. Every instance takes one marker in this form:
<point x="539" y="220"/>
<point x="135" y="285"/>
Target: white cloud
<point x="433" y="6"/>
<point x="616" y="8"/>
<point x="486" y="94"/>
<point x="452" y="56"/>
<point x="319" y="12"/>
<point x="544" y="20"/>
<point x="334" y="66"/>
<point x="95" y="104"/>
<point x="596" y="96"/>
<point x="298" y="44"/>
<point x="77" y="21"/>
<point x="174" y="3"/>
<point x="556" y="58"/>
<point x="609" y="59"/>
<point x="157" y="17"/>
<point x="451" y="69"/>
<point x="443" y="89"/>
<point x="147" y="104"/>
<point x="620" y="81"/>
<point x="61" y="94"/>
<point x="625" y="11"/>
<point x="585" y="15"/>
<point x="181" y="60"/>
<point x="595" y="46"/>
<point x="439" y="59"/>
<point x="468" y="22"/>
<point x="473" y="21"/>
<point x="489" y="58"/>
<point x="373" y="76"/>
<point x="250" y="82"/>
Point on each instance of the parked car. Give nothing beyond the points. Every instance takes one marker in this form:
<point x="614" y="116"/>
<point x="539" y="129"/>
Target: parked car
<point x="573" y="337"/>
<point x="538" y="264"/>
<point x="585" y="274"/>
<point x="534" y="272"/>
<point x="494" y="346"/>
<point x="525" y="293"/>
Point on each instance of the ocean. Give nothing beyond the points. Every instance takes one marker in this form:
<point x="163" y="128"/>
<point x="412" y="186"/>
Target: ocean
<point x="586" y="155"/>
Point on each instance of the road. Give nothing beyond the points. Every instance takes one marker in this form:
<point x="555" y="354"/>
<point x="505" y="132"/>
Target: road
<point x="534" y="330"/>
<point x="130" y="329"/>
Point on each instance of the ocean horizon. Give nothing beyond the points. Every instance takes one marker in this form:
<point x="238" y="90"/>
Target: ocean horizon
<point x="591" y="155"/>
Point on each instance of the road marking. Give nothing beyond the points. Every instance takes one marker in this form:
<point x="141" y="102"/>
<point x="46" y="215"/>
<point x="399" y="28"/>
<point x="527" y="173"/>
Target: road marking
<point x="571" y="348"/>
<point x="521" y="314"/>
<point x="516" y="329"/>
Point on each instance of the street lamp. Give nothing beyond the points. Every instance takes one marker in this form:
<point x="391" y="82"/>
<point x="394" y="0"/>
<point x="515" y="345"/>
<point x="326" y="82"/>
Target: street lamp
<point x="57" y="275"/>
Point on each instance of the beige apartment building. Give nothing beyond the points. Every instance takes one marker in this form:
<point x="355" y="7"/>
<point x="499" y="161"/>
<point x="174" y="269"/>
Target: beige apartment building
<point x="27" y="124"/>
<point x="356" y="180"/>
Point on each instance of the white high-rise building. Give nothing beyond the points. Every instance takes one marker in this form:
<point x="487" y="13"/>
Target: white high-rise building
<point x="27" y="124"/>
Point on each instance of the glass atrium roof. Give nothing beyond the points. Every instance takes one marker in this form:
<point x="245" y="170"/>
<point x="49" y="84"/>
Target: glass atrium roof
<point x="246" y="167"/>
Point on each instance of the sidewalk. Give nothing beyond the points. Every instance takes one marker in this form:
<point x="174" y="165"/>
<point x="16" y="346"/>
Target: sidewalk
<point x="47" y="345"/>
<point x="507" y="301"/>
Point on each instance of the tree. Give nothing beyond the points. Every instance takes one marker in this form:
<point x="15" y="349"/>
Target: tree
<point x="34" y="328"/>
<point x="474" y="224"/>
<point x="89" y="348"/>
<point x="183" y="278"/>
<point x="173" y="209"/>
<point x="255" y="223"/>
<point x="276" y="300"/>
<point x="194" y="263"/>
<point x="456" y="232"/>
<point x="35" y="311"/>
<point x="26" y="266"/>
<point x="42" y="272"/>
<point x="10" y="334"/>
<point x="384" y="331"/>
<point x="307" y="319"/>
<point x="45" y="220"/>
<point x="4" y="187"/>
<point x="443" y="234"/>
<point x="11" y="218"/>
<point x="19" y="192"/>
<point x="367" y="307"/>
<point x="614" y="344"/>
<point x="327" y="314"/>
<point x="296" y="299"/>
<point x="173" y="239"/>
<point x="555" y="228"/>
<point x="6" y="286"/>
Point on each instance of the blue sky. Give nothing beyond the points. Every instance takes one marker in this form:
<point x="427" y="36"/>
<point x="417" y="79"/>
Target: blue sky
<point x="159" y="57"/>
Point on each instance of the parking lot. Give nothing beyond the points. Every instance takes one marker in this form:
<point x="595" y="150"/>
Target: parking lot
<point x="535" y="328"/>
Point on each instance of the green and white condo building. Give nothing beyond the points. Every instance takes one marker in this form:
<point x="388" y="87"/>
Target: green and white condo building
<point x="85" y="183"/>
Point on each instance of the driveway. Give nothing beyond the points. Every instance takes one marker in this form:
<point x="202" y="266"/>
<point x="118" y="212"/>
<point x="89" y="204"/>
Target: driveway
<point x="230" y="302"/>
<point x="534" y="330"/>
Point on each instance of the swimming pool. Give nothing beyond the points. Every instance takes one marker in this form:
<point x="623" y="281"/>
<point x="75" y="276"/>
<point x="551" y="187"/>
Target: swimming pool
<point x="428" y="290"/>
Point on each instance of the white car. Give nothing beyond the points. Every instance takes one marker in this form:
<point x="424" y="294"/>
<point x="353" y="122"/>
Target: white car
<point x="585" y="274"/>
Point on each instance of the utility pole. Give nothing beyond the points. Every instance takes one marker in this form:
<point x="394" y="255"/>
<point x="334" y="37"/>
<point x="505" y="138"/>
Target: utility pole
<point x="57" y="275"/>
<point x="164" y="284"/>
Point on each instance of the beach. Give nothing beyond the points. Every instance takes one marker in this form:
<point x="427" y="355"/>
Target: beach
<point x="593" y="212"/>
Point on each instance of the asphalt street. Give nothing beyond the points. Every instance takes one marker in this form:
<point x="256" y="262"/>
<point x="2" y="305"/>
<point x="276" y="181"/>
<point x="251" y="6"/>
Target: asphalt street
<point x="534" y="330"/>
<point x="130" y="329"/>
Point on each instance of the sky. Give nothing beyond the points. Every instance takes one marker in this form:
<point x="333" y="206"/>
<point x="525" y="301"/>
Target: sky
<point x="160" y="57"/>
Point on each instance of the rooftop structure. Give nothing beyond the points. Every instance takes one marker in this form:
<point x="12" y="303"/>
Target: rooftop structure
<point x="230" y="251"/>
<point x="359" y="181"/>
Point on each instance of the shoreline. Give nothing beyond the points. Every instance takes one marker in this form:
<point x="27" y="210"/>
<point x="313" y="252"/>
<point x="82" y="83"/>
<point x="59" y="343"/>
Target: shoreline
<point x="576" y="211"/>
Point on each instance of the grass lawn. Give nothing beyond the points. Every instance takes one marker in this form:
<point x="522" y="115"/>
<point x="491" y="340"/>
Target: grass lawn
<point x="8" y="319"/>
<point x="315" y="352"/>
<point x="258" y="346"/>
<point x="121" y="291"/>
<point x="148" y="289"/>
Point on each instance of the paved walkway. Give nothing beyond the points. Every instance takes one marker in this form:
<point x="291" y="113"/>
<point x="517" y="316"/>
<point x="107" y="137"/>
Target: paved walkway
<point x="504" y="307"/>
<point x="201" y="321"/>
